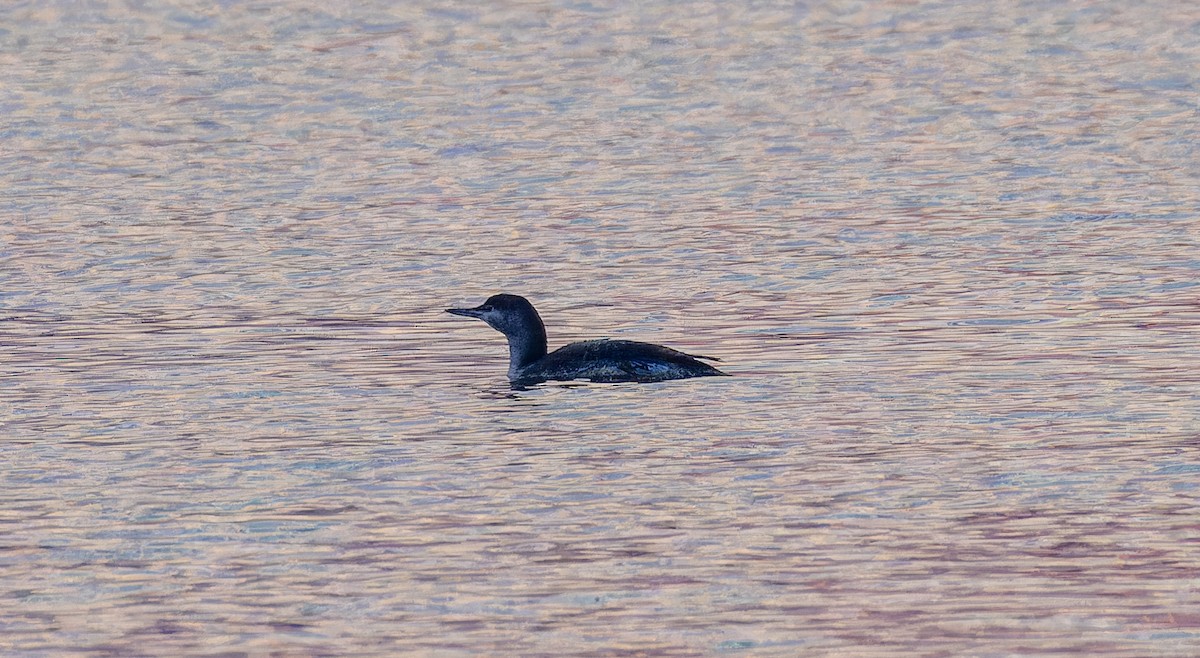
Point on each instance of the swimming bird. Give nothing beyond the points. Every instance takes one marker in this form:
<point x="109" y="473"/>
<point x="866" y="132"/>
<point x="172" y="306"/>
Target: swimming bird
<point x="594" y="360"/>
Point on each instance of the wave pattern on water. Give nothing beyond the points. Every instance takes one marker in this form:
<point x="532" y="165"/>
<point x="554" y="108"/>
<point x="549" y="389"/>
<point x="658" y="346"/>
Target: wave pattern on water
<point x="948" y="252"/>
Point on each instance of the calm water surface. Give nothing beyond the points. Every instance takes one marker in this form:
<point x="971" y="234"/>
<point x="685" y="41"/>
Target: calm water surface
<point x="950" y="252"/>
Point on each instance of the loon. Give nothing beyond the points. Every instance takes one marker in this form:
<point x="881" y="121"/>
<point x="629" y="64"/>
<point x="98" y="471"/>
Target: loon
<point x="594" y="360"/>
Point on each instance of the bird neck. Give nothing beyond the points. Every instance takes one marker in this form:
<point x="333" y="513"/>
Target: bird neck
<point x="526" y="348"/>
